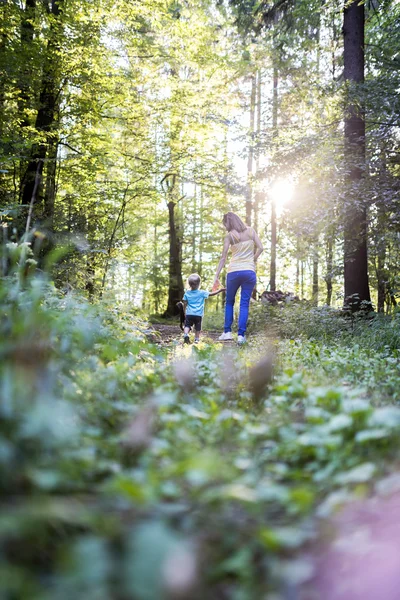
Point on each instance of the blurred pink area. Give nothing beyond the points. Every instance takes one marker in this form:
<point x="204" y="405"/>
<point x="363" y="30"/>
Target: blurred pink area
<point x="362" y="562"/>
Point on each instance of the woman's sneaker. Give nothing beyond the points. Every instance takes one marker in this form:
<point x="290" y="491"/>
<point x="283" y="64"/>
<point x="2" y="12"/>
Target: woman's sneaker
<point x="241" y="340"/>
<point x="225" y="336"/>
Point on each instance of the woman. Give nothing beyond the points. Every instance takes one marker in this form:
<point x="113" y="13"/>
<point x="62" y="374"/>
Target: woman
<point x="246" y="247"/>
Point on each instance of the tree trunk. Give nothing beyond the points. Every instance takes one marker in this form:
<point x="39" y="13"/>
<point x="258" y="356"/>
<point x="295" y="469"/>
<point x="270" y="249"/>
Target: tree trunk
<point x="90" y="285"/>
<point x="258" y="193"/>
<point x="50" y="190"/>
<point x="194" y="231"/>
<point x="329" y="269"/>
<point x="26" y="97"/>
<point x="3" y="88"/>
<point x="315" y="286"/>
<point x="381" y="273"/>
<point x="250" y="157"/>
<point x="201" y="234"/>
<point x="272" y="281"/>
<point x="3" y="60"/>
<point x="48" y="103"/>
<point x="175" y="287"/>
<point x="355" y="213"/>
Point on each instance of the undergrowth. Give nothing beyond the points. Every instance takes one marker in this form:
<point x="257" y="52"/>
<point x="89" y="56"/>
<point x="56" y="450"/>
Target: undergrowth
<point x="131" y="470"/>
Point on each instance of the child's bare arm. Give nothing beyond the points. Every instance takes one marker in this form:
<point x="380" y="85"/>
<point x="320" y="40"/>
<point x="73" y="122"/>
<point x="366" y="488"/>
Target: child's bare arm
<point x="217" y="292"/>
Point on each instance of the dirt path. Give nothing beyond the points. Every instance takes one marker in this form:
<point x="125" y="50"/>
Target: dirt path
<point x="170" y="333"/>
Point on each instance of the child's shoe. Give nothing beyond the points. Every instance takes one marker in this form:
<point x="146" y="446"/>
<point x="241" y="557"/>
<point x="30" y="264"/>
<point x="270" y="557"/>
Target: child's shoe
<point x="186" y="339"/>
<point x="225" y="336"/>
<point x="241" y="340"/>
<point x="196" y="341"/>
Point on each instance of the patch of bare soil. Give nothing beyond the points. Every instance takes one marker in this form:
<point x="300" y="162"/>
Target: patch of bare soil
<point x="165" y="334"/>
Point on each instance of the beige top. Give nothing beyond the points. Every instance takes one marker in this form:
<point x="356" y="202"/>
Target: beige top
<point x="242" y="254"/>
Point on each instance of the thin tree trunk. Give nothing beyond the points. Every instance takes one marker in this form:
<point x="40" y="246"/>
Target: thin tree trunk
<point x="3" y="87"/>
<point x="201" y="234"/>
<point x="3" y="58"/>
<point x="380" y="272"/>
<point x="226" y="169"/>
<point x="50" y="190"/>
<point x="175" y="288"/>
<point x="156" y="279"/>
<point x="26" y="97"/>
<point x="194" y="230"/>
<point x="315" y="282"/>
<point x="250" y="156"/>
<point x="356" y="284"/>
<point x="257" y="197"/>
<point x="90" y="277"/>
<point x="48" y="103"/>
<point x="381" y="259"/>
<point x="329" y="269"/>
<point x="272" y="281"/>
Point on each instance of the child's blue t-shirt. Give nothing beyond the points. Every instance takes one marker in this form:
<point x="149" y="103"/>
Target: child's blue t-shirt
<point x="195" y="302"/>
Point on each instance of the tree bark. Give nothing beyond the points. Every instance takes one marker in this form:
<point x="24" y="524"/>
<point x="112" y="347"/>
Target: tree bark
<point x="48" y="104"/>
<point x="201" y="234"/>
<point x="272" y="281"/>
<point x="381" y="273"/>
<point x="315" y="282"/>
<point x="194" y="231"/>
<point x="258" y="194"/>
<point x="250" y="156"/>
<point x="50" y="189"/>
<point x="329" y="269"/>
<point x="26" y="97"/>
<point x="356" y="282"/>
<point x="175" y="287"/>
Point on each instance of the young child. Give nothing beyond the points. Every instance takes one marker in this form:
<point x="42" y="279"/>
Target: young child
<point x="194" y="304"/>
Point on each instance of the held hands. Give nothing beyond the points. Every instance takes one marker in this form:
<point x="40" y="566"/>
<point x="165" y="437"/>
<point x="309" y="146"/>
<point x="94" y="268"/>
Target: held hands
<point x="216" y="285"/>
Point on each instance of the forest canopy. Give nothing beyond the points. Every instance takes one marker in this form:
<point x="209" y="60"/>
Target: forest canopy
<point x="116" y="117"/>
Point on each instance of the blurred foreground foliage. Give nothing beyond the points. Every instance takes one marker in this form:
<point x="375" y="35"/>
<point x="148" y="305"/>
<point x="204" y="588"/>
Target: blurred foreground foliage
<point x="133" y="470"/>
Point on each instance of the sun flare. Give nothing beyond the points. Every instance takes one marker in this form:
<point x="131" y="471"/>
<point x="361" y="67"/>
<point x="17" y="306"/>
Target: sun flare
<point x="281" y="192"/>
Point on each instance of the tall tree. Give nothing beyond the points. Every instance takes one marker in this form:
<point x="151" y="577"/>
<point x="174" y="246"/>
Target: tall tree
<point x="355" y="211"/>
<point x="250" y="152"/>
<point x="48" y="106"/>
<point x="175" y="284"/>
<point x="272" y="280"/>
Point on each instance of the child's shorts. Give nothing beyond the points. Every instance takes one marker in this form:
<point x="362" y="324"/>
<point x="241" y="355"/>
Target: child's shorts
<point x="195" y="320"/>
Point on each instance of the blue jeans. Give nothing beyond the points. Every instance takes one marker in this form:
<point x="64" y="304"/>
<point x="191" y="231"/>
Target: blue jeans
<point x="246" y="280"/>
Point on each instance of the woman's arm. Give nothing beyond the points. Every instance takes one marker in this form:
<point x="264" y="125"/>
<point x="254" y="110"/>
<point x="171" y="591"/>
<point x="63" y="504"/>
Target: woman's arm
<point x="221" y="264"/>
<point x="259" y="246"/>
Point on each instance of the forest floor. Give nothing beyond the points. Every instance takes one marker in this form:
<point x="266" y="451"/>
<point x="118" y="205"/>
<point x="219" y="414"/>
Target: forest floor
<point x="142" y="453"/>
<point x="322" y="399"/>
<point x="170" y="333"/>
